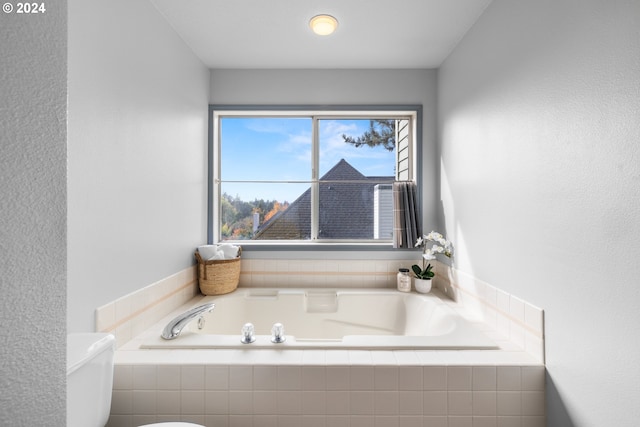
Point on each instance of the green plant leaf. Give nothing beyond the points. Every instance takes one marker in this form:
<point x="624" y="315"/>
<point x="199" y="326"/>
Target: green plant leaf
<point x="428" y="272"/>
<point x="417" y="270"/>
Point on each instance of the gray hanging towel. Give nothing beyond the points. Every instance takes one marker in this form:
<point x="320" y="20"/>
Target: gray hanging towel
<point x="406" y="215"/>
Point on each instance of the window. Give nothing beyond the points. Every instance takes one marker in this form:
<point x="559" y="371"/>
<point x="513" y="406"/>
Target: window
<point x="308" y="176"/>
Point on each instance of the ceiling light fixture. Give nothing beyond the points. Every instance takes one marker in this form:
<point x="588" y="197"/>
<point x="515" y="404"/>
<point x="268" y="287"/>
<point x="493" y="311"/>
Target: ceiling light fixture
<point x="323" y="25"/>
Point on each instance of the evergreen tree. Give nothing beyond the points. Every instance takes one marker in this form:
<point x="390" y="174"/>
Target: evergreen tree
<point x="381" y="132"/>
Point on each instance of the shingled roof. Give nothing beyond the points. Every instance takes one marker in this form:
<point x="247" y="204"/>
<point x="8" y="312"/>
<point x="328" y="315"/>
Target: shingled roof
<point x="346" y="209"/>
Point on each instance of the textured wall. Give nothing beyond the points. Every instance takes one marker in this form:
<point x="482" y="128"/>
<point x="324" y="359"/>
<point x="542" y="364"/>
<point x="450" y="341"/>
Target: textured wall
<point x="33" y="217"/>
<point x="540" y="181"/>
<point x="137" y="153"/>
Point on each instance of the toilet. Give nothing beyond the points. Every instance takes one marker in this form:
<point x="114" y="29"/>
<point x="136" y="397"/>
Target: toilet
<point x="90" y="381"/>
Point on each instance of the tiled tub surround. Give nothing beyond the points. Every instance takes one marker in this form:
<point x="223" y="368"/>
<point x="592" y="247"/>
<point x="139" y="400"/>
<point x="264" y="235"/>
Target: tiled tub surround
<point x="498" y="388"/>
<point x="130" y="315"/>
<point x="350" y="389"/>
<point x="520" y="322"/>
<point x="288" y="273"/>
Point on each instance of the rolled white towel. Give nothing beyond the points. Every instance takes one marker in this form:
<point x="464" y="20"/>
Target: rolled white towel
<point x="230" y="251"/>
<point x="208" y="251"/>
<point x="218" y="255"/>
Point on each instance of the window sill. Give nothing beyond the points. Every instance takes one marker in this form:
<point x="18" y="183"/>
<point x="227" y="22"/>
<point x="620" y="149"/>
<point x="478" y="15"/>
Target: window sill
<point x="248" y="245"/>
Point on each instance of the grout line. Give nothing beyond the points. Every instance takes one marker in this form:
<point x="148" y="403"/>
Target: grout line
<point x="537" y="334"/>
<point x="315" y="273"/>
<point x="124" y="320"/>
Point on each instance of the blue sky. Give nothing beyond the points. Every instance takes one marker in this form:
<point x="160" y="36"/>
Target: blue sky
<point x="279" y="149"/>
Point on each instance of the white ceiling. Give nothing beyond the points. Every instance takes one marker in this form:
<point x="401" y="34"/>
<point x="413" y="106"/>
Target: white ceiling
<point x="275" y="33"/>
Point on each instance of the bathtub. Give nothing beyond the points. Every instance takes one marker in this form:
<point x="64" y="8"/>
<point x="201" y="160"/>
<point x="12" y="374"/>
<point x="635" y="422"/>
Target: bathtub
<point x="375" y="319"/>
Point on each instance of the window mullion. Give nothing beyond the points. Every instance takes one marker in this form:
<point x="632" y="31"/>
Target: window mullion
<point x="215" y="162"/>
<point x="315" y="186"/>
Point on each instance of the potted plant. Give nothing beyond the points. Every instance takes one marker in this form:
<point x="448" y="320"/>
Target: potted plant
<point x="425" y="273"/>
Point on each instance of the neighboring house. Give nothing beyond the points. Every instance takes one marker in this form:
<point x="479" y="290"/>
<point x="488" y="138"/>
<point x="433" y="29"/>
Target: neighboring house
<point x="358" y="208"/>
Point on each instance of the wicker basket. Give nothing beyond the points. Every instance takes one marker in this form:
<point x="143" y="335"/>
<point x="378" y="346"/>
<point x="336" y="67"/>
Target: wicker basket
<point x="218" y="277"/>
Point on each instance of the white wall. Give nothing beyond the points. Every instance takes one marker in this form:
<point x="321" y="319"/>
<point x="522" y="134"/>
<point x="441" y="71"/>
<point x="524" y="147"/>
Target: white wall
<point x="341" y="87"/>
<point x="33" y="230"/>
<point x="540" y="182"/>
<point x="137" y="153"/>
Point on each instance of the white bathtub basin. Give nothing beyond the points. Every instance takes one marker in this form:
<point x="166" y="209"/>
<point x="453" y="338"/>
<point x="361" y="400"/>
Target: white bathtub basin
<point x="329" y="318"/>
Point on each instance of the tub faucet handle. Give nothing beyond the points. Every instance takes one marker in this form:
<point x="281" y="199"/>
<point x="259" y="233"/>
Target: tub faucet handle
<point x="277" y="333"/>
<point x="248" y="336"/>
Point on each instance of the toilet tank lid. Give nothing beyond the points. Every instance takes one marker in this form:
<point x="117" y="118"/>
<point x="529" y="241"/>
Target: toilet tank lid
<point x="82" y="347"/>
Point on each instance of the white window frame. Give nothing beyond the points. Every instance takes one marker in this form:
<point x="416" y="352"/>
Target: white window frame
<point x="411" y="112"/>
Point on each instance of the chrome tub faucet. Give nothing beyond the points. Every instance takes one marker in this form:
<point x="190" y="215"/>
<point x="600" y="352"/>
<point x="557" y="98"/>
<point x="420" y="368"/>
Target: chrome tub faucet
<point x="175" y="326"/>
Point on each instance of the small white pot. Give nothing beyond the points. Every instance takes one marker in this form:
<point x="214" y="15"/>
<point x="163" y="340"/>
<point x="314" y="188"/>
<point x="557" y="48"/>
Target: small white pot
<point x="423" y="286"/>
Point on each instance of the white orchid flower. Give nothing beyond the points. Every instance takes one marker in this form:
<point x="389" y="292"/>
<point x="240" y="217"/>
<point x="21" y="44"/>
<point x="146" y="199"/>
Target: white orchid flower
<point x="443" y="245"/>
<point x="428" y="255"/>
<point x="435" y="236"/>
<point x="437" y="249"/>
